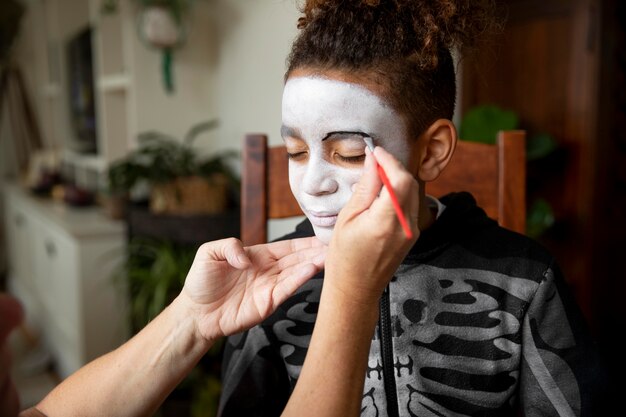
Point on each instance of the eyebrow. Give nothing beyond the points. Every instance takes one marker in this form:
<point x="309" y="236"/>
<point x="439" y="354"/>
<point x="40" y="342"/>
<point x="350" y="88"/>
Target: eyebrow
<point x="346" y="133"/>
<point x="290" y="132"/>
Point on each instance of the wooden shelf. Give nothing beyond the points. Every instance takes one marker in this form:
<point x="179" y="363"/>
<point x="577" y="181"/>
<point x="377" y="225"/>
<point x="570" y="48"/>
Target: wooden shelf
<point x="183" y="230"/>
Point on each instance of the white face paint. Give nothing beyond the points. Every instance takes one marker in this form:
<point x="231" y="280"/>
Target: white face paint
<point x="323" y="172"/>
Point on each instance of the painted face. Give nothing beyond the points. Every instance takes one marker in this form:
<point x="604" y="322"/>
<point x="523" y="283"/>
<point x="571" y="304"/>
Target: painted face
<point x="324" y="121"/>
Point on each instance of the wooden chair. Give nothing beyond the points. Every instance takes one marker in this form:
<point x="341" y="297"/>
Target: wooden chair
<point x="494" y="174"/>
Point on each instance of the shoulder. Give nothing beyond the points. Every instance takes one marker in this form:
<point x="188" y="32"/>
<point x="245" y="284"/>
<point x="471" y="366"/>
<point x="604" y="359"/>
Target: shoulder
<point x="464" y="237"/>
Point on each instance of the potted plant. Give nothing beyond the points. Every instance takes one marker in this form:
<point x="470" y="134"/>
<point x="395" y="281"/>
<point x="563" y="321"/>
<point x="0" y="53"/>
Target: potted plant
<point x="180" y="181"/>
<point x="154" y="274"/>
<point x="482" y="123"/>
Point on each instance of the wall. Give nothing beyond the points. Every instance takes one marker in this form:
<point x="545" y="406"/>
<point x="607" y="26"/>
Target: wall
<point x="252" y="41"/>
<point x="192" y="101"/>
<point x="232" y="69"/>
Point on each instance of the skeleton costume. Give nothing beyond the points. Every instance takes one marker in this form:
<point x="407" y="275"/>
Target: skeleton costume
<point x="476" y="321"/>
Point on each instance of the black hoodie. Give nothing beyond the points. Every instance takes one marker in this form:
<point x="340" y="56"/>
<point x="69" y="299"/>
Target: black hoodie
<point x="476" y="321"/>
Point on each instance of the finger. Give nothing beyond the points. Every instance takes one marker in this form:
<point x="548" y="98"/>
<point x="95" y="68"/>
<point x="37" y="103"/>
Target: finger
<point x="11" y="314"/>
<point x="389" y="162"/>
<point x="291" y="279"/>
<point x="401" y="180"/>
<point x="366" y="189"/>
<point x="230" y="250"/>
<point x="283" y="248"/>
<point x="315" y="255"/>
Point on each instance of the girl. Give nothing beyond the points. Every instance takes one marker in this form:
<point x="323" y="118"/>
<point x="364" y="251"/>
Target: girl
<point x="477" y="319"/>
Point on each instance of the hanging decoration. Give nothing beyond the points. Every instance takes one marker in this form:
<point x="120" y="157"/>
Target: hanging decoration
<point x="161" y="25"/>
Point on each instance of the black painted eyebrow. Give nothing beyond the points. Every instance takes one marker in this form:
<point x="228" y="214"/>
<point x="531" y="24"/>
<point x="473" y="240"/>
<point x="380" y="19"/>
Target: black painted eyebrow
<point x="344" y="133"/>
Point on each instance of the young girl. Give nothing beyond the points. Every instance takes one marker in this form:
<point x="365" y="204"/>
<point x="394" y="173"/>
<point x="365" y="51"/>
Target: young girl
<point x="477" y="319"/>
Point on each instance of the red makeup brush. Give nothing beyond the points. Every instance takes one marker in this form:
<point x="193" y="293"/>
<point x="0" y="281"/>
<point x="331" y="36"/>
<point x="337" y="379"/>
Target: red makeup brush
<point x="394" y="199"/>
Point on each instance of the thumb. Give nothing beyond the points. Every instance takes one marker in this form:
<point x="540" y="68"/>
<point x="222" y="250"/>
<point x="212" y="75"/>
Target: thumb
<point x="231" y="250"/>
<point x="368" y="187"/>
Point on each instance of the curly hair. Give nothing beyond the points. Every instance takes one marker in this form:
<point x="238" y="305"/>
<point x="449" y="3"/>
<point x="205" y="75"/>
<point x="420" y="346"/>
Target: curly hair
<point x="401" y="45"/>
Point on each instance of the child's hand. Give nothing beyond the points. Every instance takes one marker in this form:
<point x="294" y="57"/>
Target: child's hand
<point x="368" y="242"/>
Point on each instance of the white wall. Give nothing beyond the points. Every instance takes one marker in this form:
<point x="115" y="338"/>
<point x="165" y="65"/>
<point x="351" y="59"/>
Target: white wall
<point x="192" y="101"/>
<point x="243" y="62"/>
<point x="252" y="40"/>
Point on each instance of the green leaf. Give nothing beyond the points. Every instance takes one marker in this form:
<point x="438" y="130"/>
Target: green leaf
<point x="482" y="123"/>
<point x="199" y="128"/>
<point x="539" y="219"/>
<point x="540" y="146"/>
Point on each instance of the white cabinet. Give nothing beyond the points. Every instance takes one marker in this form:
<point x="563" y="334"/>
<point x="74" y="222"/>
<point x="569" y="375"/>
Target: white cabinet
<point x="62" y="262"/>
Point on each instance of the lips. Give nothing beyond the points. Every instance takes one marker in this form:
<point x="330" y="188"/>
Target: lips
<point x="322" y="219"/>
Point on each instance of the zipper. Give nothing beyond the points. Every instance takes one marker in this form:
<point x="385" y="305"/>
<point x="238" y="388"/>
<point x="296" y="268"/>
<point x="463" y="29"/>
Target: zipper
<point x="386" y="348"/>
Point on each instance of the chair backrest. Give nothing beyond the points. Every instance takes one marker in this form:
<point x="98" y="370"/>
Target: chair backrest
<point x="494" y="174"/>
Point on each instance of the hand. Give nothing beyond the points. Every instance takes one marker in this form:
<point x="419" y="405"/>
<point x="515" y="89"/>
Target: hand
<point x="368" y="242"/>
<point x="231" y="288"/>
<point x="11" y="315"/>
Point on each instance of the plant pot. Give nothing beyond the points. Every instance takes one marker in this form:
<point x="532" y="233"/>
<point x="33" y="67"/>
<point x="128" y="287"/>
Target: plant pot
<point x="115" y="206"/>
<point x="159" y="28"/>
<point x="190" y="196"/>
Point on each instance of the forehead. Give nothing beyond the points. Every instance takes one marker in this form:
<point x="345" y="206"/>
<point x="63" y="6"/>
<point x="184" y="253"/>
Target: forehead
<point x="318" y="103"/>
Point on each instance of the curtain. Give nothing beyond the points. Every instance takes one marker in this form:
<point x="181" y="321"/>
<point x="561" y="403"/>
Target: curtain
<point x="16" y="112"/>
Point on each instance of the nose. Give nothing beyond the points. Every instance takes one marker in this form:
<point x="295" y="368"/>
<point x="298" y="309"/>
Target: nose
<point x="319" y="178"/>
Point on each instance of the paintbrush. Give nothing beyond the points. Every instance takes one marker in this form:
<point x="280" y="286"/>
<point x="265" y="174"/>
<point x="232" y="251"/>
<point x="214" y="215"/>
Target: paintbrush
<point x="394" y="200"/>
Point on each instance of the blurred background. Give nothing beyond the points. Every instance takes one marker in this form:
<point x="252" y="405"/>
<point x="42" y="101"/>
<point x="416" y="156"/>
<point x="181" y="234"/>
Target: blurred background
<point x="121" y="123"/>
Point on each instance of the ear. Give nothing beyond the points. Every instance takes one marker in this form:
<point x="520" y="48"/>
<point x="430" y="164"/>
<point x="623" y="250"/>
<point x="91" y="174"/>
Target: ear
<point x="438" y="144"/>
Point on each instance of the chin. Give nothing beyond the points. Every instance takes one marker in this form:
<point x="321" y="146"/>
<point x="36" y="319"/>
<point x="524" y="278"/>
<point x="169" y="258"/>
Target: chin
<point x="324" y="234"/>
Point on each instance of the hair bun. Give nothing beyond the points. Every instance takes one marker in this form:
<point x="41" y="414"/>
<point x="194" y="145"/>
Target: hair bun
<point x="421" y="28"/>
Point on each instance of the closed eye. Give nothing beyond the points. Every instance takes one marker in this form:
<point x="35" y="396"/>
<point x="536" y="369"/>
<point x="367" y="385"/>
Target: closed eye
<point x="296" y="155"/>
<point x="357" y="159"/>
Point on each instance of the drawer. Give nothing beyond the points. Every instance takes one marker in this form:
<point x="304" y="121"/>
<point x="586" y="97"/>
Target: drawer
<point x="57" y="279"/>
<point x="66" y="350"/>
<point x="19" y="229"/>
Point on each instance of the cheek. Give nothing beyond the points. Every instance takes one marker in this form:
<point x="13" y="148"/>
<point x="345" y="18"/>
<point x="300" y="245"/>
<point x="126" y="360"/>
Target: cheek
<point x="346" y="178"/>
<point x="296" y="173"/>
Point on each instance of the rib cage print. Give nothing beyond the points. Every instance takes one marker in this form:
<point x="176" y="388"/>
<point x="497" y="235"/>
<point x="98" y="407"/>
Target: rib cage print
<point x="481" y="323"/>
<point x="460" y="330"/>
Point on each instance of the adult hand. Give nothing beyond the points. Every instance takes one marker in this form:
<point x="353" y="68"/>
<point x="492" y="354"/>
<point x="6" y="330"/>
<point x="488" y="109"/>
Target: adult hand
<point x="231" y="288"/>
<point x="368" y="242"/>
<point x="11" y="315"/>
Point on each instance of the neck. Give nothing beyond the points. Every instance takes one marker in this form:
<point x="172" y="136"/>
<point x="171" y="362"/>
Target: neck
<point x="426" y="215"/>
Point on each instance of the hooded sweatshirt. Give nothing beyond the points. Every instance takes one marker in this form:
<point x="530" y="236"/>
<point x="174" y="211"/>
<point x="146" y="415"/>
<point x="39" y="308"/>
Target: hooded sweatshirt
<point x="477" y="320"/>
